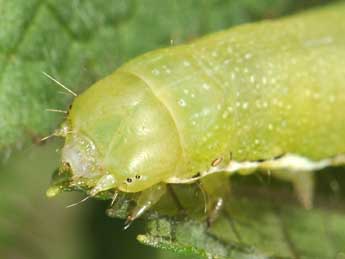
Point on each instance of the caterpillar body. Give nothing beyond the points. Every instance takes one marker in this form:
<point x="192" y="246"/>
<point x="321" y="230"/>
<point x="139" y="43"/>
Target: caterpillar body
<point x="263" y="95"/>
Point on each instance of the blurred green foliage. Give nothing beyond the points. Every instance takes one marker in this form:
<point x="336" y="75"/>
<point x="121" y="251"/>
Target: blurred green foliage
<point x="79" y="42"/>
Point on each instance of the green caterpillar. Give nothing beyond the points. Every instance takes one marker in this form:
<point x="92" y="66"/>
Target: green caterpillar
<point x="263" y="95"/>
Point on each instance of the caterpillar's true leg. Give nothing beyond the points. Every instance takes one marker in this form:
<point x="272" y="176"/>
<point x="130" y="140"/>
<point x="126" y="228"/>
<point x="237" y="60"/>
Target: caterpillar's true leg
<point x="303" y="184"/>
<point x="217" y="188"/>
<point x="175" y="198"/>
<point x="145" y="201"/>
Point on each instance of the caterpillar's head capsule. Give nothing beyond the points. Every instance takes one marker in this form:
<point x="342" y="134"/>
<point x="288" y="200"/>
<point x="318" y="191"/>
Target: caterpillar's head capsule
<point x="120" y="136"/>
<point x="81" y="155"/>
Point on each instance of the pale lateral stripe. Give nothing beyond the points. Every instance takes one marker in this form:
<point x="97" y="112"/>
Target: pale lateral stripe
<point x="289" y="162"/>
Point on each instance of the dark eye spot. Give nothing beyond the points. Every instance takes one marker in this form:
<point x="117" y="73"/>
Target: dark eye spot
<point x="129" y="180"/>
<point x="279" y="156"/>
<point x="137" y="177"/>
<point x="216" y="162"/>
<point x="196" y="175"/>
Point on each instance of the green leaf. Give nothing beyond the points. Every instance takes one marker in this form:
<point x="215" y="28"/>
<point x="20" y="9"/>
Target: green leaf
<point x="78" y="42"/>
<point x="259" y="222"/>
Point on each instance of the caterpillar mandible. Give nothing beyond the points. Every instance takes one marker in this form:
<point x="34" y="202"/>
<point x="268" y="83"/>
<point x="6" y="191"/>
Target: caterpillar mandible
<point x="264" y="95"/>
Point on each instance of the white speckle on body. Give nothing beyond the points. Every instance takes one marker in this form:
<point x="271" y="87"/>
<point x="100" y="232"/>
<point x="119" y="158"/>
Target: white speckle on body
<point x="205" y="86"/>
<point x="332" y="98"/>
<point x="186" y="63"/>
<point x="155" y="72"/>
<point x="264" y="80"/>
<point x="182" y="103"/>
<point x="230" y="109"/>
<point x="316" y="96"/>
<point x="248" y="56"/>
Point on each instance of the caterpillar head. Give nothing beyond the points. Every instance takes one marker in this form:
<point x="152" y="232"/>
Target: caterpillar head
<point x="119" y="136"/>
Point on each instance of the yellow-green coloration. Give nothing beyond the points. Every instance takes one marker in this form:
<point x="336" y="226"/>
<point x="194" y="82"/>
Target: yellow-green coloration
<point x="256" y="91"/>
<point x="128" y="131"/>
